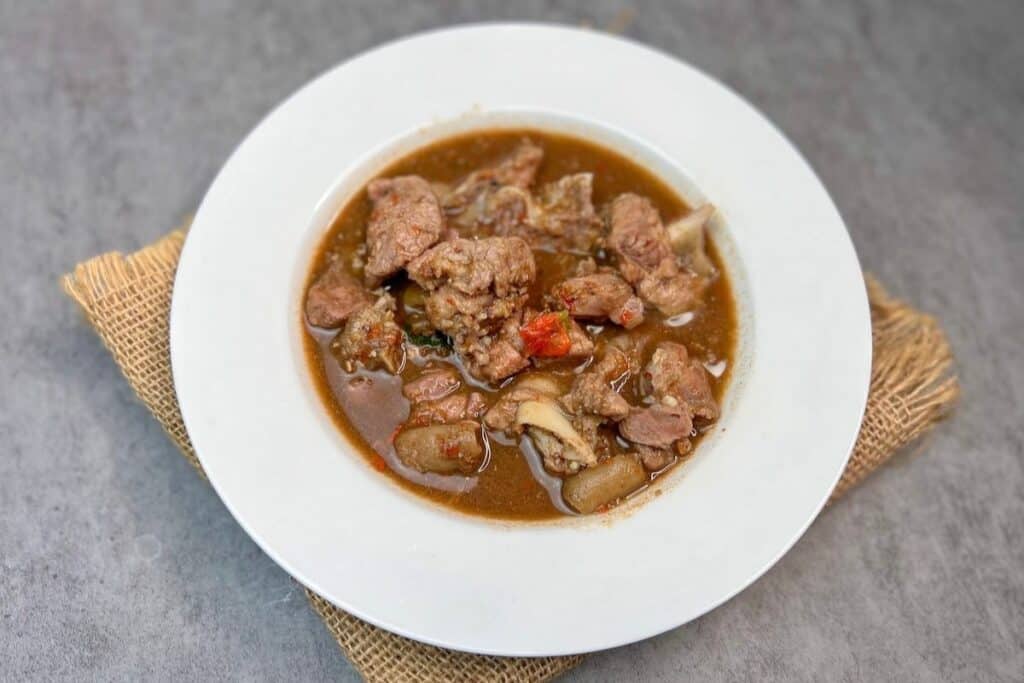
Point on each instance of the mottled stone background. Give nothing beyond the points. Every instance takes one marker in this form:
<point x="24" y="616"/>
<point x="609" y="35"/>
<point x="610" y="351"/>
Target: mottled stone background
<point x="116" y="562"/>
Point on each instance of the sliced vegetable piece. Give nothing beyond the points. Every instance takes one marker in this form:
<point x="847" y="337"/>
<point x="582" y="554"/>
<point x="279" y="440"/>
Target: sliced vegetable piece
<point x="443" y="448"/>
<point x="547" y="335"/>
<point x="603" y="484"/>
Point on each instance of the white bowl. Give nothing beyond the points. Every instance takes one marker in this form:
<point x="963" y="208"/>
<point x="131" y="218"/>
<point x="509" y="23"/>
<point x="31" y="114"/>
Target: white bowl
<point x="295" y="484"/>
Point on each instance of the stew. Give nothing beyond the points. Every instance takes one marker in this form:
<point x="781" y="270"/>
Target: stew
<point x="520" y="324"/>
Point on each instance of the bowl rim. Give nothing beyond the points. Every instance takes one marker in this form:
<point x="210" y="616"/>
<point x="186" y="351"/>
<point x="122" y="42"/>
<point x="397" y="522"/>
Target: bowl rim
<point x="289" y="511"/>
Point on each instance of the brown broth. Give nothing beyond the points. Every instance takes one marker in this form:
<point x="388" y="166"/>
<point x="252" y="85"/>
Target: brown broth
<point x="513" y="484"/>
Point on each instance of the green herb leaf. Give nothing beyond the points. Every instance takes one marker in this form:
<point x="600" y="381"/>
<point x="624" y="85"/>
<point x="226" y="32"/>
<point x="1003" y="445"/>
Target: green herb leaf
<point x="434" y="340"/>
<point x="563" y="317"/>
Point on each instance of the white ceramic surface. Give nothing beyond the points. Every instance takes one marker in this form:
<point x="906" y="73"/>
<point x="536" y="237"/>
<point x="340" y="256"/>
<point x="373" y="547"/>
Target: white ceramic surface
<point x="291" y="480"/>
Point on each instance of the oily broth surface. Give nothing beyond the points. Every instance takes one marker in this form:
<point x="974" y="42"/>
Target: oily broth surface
<point x="513" y="484"/>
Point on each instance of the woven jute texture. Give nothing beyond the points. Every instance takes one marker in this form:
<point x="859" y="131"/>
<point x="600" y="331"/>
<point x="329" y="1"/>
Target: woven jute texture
<point x="127" y="300"/>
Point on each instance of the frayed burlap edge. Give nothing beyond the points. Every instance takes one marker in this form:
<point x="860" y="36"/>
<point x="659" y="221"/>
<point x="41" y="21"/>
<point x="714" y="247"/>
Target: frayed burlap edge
<point x="127" y="301"/>
<point x="383" y="656"/>
<point x="912" y="384"/>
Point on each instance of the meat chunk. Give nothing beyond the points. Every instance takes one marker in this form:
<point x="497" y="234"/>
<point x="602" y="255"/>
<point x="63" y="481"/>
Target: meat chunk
<point x="490" y="354"/>
<point x="562" y="217"/>
<point x="502" y="266"/>
<point x="568" y="214"/>
<point x="372" y="338"/>
<point x="679" y="381"/>
<point x="645" y="257"/>
<point x="533" y="387"/>
<point x="658" y="425"/>
<point x="452" y="311"/>
<point x="406" y="220"/>
<point x="511" y="212"/>
<point x="501" y="358"/>
<point x="681" y="391"/>
<point x="637" y="236"/>
<point x="672" y="290"/>
<point x="585" y="266"/>
<point x="442" y="448"/>
<point x="447" y="409"/>
<point x="476" y="406"/>
<point x="594" y="390"/>
<point x="580" y="343"/>
<point x="600" y="296"/>
<point x="432" y="385"/>
<point x="434" y="401"/>
<point x="518" y="169"/>
<point x="334" y="297"/>
<point x="628" y="363"/>
<point x="654" y="459"/>
<point x="591" y="394"/>
<point x="695" y="390"/>
<point x="476" y="293"/>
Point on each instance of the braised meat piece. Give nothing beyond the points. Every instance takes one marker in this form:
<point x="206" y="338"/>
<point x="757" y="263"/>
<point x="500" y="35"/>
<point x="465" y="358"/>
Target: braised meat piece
<point x="670" y="289"/>
<point x="658" y="425"/>
<point x="502" y="266"/>
<point x="531" y="387"/>
<point x="568" y="214"/>
<point x="594" y="391"/>
<point x="645" y="257"/>
<point x="441" y="448"/>
<point x="637" y="236"/>
<point x="580" y="344"/>
<point x="406" y="220"/>
<point x="496" y="357"/>
<point x="518" y="169"/>
<point x="510" y="211"/>
<point x="434" y="401"/>
<point x="655" y="459"/>
<point x="456" y="313"/>
<point x="586" y="266"/>
<point x="600" y="296"/>
<point x="591" y="394"/>
<point x="562" y="216"/>
<point x="681" y="392"/>
<point x="372" y="339"/>
<point x="334" y="297"/>
<point x="476" y="406"/>
<point x="476" y="293"/>
<point x="448" y="409"/>
<point x="432" y="385"/>
<point x="677" y="380"/>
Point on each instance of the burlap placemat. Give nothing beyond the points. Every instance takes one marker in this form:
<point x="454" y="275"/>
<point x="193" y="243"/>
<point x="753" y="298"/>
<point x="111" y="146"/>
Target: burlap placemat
<point x="127" y="300"/>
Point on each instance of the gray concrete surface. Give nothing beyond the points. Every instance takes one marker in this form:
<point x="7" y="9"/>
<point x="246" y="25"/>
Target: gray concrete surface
<point x="118" y="563"/>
